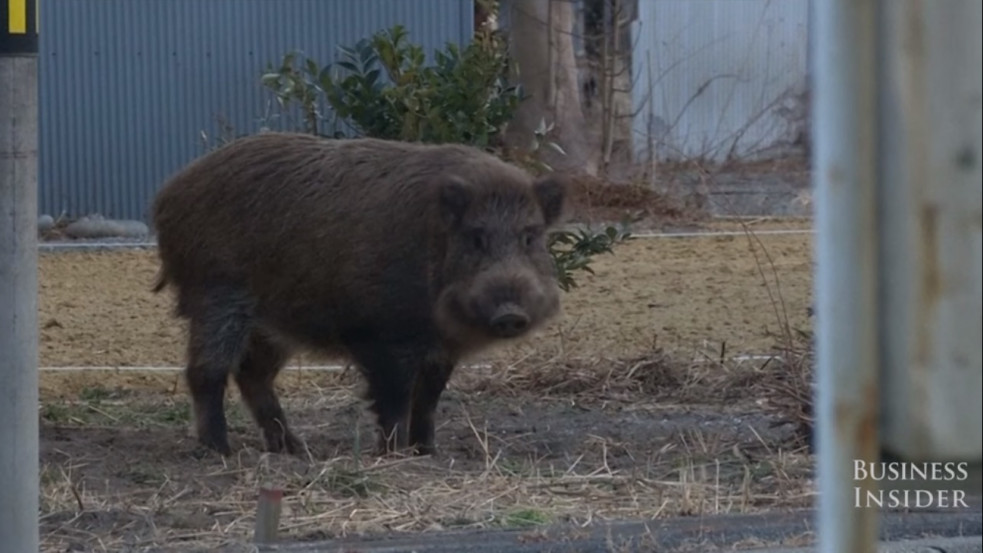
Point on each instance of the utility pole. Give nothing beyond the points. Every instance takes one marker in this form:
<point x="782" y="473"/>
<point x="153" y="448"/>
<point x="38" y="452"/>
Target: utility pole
<point x="846" y="247"/>
<point x="18" y="276"/>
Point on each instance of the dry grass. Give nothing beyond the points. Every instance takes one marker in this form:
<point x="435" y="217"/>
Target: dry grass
<point x="345" y="496"/>
<point x="205" y="503"/>
<point x="790" y="386"/>
<point x="120" y="470"/>
<point x="685" y="293"/>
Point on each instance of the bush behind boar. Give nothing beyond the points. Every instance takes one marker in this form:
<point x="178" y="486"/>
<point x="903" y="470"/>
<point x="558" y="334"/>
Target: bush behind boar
<point x="404" y="257"/>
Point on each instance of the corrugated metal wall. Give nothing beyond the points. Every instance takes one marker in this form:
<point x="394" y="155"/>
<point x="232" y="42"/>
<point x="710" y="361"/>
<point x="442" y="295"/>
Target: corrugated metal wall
<point x="714" y="78"/>
<point x="127" y="86"/>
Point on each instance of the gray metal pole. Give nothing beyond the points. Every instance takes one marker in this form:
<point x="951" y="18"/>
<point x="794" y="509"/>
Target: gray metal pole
<point x="18" y="278"/>
<point x="845" y="133"/>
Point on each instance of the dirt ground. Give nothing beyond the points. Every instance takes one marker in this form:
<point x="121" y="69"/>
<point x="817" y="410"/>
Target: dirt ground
<point x="123" y="470"/>
<point x="629" y="406"/>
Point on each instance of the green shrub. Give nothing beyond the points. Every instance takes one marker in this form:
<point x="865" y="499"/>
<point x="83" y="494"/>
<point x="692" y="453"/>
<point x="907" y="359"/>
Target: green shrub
<point x="382" y="87"/>
<point x="291" y="84"/>
<point x="573" y="250"/>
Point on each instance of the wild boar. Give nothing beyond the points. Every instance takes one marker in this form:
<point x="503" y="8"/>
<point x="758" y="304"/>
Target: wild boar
<point x="403" y="257"/>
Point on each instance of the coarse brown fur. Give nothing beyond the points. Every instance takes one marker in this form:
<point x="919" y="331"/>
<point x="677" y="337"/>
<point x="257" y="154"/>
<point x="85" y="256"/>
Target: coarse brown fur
<point x="403" y="256"/>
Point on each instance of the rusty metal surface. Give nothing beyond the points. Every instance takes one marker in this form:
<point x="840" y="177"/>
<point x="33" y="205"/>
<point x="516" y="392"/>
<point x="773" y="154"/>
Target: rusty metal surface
<point x="931" y="123"/>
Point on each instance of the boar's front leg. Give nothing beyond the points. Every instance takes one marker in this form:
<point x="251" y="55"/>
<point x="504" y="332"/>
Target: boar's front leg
<point x="430" y="382"/>
<point x="389" y="369"/>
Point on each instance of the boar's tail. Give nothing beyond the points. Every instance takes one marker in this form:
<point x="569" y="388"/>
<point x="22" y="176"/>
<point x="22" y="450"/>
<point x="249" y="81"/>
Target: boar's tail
<point x="161" y="281"/>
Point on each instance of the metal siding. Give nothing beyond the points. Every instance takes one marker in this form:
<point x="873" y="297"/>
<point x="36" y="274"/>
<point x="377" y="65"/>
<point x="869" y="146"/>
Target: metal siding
<point x="127" y="86"/>
<point x="722" y="71"/>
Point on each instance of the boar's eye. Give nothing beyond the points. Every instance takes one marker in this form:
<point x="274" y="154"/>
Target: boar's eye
<point x="530" y="235"/>
<point x="478" y="238"/>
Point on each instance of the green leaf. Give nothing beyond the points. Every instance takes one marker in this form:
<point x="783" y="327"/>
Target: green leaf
<point x="312" y="68"/>
<point x="345" y="64"/>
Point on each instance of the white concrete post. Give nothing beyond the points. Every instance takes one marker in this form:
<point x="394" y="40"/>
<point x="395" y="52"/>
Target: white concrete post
<point x="18" y="278"/>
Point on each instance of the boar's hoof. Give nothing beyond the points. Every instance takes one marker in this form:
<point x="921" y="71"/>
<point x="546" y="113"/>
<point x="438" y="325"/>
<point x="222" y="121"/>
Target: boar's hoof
<point x="284" y="442"/>
<point x="218" y="446"/>
<point x="394" y="441"/>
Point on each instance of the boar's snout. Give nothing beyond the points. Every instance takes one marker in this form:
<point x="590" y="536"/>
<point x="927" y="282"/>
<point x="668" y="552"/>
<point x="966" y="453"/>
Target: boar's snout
<point x="497" y="305"/>
<point x="509" y="321"/>
<point x="510" y="303"/>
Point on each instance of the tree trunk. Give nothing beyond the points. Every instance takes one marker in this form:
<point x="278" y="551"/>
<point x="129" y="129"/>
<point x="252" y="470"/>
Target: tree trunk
<point x="541" y="43"/>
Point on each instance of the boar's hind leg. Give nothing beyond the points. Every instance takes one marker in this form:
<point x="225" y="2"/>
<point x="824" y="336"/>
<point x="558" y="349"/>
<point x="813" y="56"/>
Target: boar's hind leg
<point x="219" y="327"/>
<point x="427" y="388"/>
<point x="260" y="366"/>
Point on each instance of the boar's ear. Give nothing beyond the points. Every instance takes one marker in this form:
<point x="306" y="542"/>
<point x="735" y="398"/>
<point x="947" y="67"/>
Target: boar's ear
<point x="551" y="193"/>
<point x="455" y="197"/>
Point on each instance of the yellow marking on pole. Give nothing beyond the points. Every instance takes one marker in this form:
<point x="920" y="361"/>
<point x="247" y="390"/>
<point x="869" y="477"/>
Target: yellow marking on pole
<point x="17" y="22"/>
